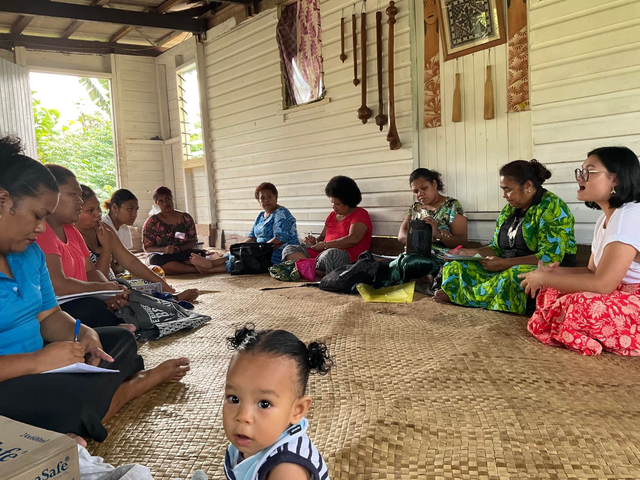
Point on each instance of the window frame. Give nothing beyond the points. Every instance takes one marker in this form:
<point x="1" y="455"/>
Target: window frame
<point x="188" y="159"/>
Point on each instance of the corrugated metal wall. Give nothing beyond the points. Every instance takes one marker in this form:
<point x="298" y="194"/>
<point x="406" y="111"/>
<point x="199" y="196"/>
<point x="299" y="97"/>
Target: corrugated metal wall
<point x="16" y="110"/>
<point x="585" y="72"/>
<point x="254" y="140"/>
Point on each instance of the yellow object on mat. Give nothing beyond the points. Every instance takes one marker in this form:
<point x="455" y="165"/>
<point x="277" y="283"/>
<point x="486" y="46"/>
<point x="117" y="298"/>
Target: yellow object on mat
<point x="398" y="294"/>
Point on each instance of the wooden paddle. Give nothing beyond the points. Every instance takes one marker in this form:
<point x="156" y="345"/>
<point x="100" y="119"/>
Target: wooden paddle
<point x="457" y="102"/>
<point x="343" y="57"/>
<point x="364" y="112"/>
<point x="392" y="135"/>
<point x="489" y="113"/>
<point x="356" y="82"/>
<point x="381" y="118"/>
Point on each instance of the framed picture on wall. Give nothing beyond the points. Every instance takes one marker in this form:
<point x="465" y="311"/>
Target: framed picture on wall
<point x="468" y="26"/>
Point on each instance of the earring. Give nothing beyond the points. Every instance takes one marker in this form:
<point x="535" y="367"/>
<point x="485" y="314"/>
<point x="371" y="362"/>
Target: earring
<point x="528" y="191"/>
<point x="613" y="191"/>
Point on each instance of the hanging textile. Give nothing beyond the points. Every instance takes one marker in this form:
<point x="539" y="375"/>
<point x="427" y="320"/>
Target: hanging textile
<point x="432" y="104"/>
<point x="518" y="88"/>
<point x="300" y="43"/>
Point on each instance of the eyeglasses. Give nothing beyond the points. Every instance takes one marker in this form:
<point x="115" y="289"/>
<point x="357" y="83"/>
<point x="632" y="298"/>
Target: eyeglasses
<point x="583" y="173"/>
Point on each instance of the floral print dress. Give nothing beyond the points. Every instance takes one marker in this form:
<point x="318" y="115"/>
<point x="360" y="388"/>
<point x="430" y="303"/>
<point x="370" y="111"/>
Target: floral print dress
<point x="159" y="234"/>
<point x="281" y="225"/>
<point x="548" y="231"/>
<point x="445" y="214"/>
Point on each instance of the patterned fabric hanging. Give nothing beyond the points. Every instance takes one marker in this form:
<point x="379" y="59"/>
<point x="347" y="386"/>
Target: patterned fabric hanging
<point x="518" y="88"/>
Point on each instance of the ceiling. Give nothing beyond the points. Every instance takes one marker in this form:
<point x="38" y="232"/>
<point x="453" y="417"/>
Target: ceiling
<point x="137" y="27"/>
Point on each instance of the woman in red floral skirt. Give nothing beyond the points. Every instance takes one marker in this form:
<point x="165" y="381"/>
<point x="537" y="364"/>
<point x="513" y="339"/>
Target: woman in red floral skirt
<point x="598" y="307"/>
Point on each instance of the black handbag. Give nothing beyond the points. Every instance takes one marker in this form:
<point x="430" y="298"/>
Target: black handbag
<point x="251" y="258"/>
<point x="419" y="238"/>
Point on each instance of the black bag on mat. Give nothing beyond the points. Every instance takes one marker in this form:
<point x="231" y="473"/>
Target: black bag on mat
<point x="251" y="258"/>
<point x="344" y="279"/>
<point x="155" y="318"/>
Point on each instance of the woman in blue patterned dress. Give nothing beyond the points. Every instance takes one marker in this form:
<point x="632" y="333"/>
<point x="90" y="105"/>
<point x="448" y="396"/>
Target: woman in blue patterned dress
<point x="274" y="224"/>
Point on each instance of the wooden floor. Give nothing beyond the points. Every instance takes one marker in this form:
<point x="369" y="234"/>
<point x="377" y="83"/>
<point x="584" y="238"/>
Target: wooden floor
<point x="420" y="391"/>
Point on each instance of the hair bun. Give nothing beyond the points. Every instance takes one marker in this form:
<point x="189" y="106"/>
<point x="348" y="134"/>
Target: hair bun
<point x="10" y="146"/>
<point x="242" y="336"/>
<point x="540" y="171"/>
<point x="319" y="360"/>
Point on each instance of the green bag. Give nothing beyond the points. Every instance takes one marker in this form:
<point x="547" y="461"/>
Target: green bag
<point x="285" y="271"/>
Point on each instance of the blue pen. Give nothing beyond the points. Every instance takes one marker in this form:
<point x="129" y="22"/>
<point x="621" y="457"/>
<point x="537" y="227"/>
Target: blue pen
<point x="78" y="323"/>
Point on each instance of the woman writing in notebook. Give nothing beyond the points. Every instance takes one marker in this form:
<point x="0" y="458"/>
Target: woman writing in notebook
<point x="30" y="317"/>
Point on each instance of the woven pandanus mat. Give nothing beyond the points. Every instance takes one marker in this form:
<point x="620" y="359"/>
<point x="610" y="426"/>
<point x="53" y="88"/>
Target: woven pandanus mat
<point x="419" y="391"/>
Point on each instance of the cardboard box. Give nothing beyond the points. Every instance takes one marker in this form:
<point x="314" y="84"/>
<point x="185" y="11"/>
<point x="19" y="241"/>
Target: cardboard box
<point x="31" y="453"/>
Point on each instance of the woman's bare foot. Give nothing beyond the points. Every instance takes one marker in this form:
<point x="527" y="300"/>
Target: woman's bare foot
<point x="441" y="297"/>
<point x="170" y="371"/>
<point x="198" y="261"/>
<point x="189" y="295"/>
<point x="79" y="440"/>
<point x="128" y="326"/>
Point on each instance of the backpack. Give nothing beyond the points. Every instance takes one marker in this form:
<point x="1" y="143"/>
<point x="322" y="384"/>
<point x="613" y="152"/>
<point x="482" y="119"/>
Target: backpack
<point x="155" y="318"/>
<point x="251" y="258"/>
<point x="344" y="279"/>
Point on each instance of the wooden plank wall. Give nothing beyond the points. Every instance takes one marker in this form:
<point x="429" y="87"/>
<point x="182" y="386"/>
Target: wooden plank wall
<point x="141" y="165"/>
<point x="195" y="179"/>
<point x="254" y="140"/>
<point x="16" y="110"/>
<point x="585" y="71"/>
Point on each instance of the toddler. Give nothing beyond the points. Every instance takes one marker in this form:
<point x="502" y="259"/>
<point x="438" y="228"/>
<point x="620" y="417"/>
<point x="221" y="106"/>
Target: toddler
<point x="265" y="406"/>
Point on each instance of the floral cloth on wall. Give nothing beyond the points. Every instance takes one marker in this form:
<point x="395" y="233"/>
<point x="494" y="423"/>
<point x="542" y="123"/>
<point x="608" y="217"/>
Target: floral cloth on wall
<point x="299" y="40"/>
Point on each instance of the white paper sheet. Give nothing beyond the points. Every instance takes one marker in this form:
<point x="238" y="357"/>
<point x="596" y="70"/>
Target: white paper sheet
<point x="82" y="368"/>
<point x="102" y="295"/>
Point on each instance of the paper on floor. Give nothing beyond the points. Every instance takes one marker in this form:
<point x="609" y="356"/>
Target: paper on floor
<point x="82" y="368"/>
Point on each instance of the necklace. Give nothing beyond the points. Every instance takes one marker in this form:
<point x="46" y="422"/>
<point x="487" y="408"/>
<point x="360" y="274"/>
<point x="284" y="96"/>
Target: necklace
<point x="513" y="230"/>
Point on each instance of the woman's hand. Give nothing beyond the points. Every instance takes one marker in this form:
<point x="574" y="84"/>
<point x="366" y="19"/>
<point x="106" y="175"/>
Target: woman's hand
<point x="310" y="240"/>
<point x="495" y="264"/>
<point x="105" y="235"/>
<point x="117" y="302"/>
<point x="60" y="354"/>
<point x="318" y="247"/>
<point x="170" y="249"/>
<point x="532" y="282"/>
<point x="93" y="348"/>
<point x="463" y="252"/>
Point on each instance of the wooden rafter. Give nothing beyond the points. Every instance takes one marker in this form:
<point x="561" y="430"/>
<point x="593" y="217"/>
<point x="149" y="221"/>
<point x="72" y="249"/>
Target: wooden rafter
<point x="80" y="46"/>
<point x="103" y="15"/>
<point x="75" y="25"/>
<point x="18" y="27"/>
<point x="123" y="32"/>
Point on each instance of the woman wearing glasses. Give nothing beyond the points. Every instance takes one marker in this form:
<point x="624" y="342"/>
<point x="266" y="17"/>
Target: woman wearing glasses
<point x="535" y="225"/>
<point x="597" y="307"/>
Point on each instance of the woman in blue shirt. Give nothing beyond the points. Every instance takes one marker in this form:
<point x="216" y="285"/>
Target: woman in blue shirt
<point x="274" y="224"/>
<point x="37" y="336"/>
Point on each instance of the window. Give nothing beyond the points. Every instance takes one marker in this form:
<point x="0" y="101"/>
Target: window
<point x="190" y="120"/>
<point x="299" y="37"/>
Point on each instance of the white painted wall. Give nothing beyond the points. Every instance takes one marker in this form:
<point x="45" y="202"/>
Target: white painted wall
<point x="191" y="186"/>
<point x="469" y="154"/>
<point x="585" y="72"/>
<point x="140" y="162"/>
<point x="16" y="110"/>
<point x="299" y="150"/>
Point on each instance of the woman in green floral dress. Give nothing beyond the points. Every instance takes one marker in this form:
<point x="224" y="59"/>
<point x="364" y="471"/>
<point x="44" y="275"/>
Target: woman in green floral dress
<point x="534" y="225"/>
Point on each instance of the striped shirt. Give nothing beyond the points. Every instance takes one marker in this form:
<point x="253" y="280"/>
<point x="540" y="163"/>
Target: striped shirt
<point x="296" y="447"/>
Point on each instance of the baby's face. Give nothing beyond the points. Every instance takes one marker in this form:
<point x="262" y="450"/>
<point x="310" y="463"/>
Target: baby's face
<point x="261" y="401"/>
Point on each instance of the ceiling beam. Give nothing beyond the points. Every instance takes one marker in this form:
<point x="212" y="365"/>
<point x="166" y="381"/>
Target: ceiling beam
<point x="123" y="32"/>
<point x="167" y="38"/>
<point x="75" y="25"/>
<point x="18" y="27"/>
<point x="80" y="46"/>
<point x="103" y="15"/>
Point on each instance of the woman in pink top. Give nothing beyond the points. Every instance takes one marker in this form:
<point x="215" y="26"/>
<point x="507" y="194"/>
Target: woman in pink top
<point x="68" y="261"/>
<point x="346" y="233"/>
